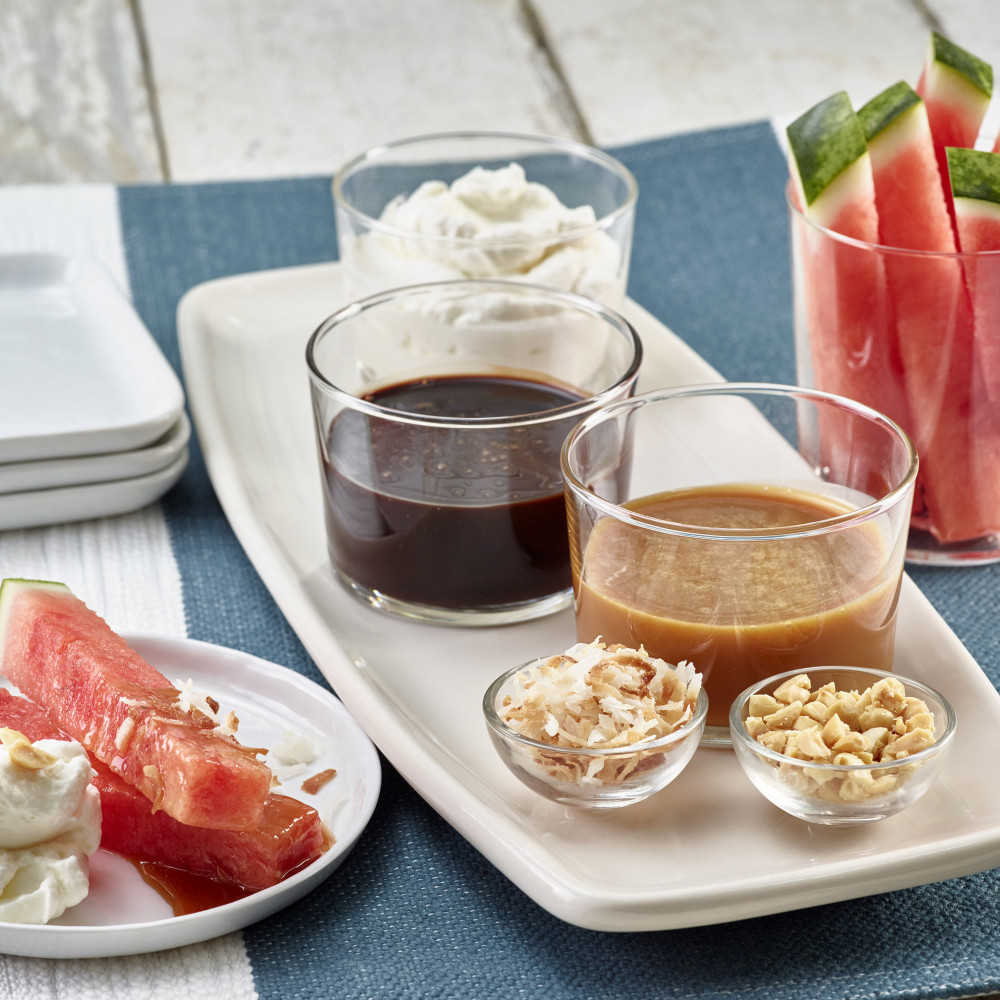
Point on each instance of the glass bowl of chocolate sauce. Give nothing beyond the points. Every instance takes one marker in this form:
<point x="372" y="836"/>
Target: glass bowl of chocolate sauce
<point x="440" y="413"/>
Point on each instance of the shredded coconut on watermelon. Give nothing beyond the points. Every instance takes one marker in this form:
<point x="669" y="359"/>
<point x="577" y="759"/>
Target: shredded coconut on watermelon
<point x="292" y="755"/>
<point x="191" y="701"/>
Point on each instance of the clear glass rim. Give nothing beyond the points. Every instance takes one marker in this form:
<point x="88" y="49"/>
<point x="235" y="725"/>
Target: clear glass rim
<point x="513" y="736"/>
<point x="882" y="248"/>
<point x="468" y="287"/>
<point x="570" y="146"/>
<point x="738" y="732"/>
<point x="573" y="483"/>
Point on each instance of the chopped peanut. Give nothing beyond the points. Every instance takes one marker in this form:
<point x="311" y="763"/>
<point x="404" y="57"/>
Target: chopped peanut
<point x="23" y="752"/>
<point x="835" y="730"/>
<point x="816" y="710"/>
<point x="785" y="716"/>
<point x="796" y="689"/>
<point x="763" y="704"/>
<point x="841" y="729"/>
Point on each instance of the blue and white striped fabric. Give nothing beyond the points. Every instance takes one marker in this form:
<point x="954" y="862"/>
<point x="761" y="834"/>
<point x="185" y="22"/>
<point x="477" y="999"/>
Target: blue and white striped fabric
<point x="415" y="912"/>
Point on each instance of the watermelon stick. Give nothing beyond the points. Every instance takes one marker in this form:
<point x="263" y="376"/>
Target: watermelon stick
<point x="125" y="712"/>
<point x="851" y="337"/>
<point x="289" y="835"/>
<point x="931" y="309"/>
<point x="956" y="87"/>
<point x="975" y="183"/>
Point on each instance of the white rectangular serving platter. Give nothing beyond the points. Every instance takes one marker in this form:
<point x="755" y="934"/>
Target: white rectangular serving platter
<point x="709" y="848"/>
<point x="81" y="374"/>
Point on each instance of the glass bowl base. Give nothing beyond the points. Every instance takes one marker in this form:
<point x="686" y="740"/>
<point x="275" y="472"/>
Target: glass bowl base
<point x="716" y="736"/>
<point x="506" y="614"/>
<point x="924" y="549"/>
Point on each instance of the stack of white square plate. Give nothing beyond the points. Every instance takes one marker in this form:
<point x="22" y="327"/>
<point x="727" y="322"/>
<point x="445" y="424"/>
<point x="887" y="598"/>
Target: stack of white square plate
<point x="92" y="416"/>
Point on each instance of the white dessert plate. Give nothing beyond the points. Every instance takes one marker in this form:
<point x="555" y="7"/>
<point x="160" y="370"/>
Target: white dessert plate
<point x="81" y="374"/>
<point x="32" y="508"/>
<point x="709" y="848"/>
<point x="54" y="473"/>
<point x="123" y="915"/>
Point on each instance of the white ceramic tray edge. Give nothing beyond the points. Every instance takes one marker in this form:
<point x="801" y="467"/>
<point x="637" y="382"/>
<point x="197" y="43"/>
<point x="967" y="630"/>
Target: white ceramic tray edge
<point x="598" y="911"/>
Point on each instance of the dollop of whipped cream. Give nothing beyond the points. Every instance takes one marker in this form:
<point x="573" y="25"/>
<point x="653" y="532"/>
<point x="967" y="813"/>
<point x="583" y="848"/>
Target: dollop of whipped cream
<point x="491" y="224"/>
<point x="50" y="823"/>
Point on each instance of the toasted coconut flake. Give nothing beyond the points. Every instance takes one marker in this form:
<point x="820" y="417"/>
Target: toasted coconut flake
<point x="315" y="782"/>
<point x="152" y="774"/>
<point x="124" y="735"/>
<point x="295" y="748"/>
<point x="598" y="697"/>
<point x="198" y="703"/>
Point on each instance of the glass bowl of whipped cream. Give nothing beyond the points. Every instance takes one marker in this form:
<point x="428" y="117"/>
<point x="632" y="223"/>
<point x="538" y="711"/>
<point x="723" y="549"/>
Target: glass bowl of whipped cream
<point x="486" y="205"/>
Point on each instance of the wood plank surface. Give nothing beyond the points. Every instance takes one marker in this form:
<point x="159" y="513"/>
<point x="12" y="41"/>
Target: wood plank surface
<point x="73" y="99"/>
<point x="251" y="88"/>
<point x="135" y="90"/>
<point x="657" y="68"/>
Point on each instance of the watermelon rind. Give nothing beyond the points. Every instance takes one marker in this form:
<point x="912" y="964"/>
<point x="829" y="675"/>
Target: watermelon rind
<point x="886" y="109"/>
<point x="824" y="142"/>
<point x="969" y="69"/>
<point x="975" y="174"/>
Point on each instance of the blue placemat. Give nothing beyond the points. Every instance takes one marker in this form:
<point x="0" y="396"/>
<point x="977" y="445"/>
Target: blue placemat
<point x="415" y="911"/>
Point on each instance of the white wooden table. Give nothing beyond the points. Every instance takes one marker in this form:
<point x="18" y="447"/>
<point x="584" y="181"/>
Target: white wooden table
<point x="188" y="90"/>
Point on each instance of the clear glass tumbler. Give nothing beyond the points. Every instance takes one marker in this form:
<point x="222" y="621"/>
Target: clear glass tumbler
<point x="440" y="412"/>
<point x="916" y="335"/>
<point x="747" y="528"/>
<point x="482" y="205"/>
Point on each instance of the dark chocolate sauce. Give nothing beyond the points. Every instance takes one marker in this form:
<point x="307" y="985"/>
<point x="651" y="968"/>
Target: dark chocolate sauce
<point x="470" y="518"/>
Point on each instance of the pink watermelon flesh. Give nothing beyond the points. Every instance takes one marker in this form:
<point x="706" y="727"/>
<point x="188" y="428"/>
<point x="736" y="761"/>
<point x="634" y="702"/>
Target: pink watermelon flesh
<point x="62" y="655"/>
<point x="933" y="319"/>
<point x="288" y="836"/>
<point x="979" y="233"/>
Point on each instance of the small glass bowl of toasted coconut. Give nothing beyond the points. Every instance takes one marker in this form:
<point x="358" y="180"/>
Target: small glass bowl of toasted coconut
<point x="840" y="746"/>
<point x="596" y="726"/>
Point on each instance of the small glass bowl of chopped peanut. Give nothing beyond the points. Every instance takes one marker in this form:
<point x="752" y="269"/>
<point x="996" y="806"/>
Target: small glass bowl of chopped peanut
<point x="598" y="727"/>
<point x="839" y="746"/>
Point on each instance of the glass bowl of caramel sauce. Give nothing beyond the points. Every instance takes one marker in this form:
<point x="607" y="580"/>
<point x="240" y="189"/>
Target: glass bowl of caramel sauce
<point x="841" y="746"/>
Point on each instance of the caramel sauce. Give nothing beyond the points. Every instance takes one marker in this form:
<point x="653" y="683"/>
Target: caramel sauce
<point x="187" y="893"/>
<point x="190" y="893"/>
<point x="739" y="610"/>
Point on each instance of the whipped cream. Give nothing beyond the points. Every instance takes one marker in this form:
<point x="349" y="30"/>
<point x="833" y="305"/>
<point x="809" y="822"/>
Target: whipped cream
<point x="50" y="823"/>
<point x="489" y="224"/>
